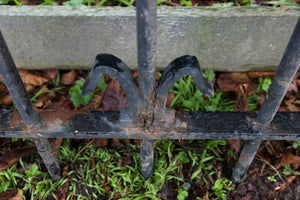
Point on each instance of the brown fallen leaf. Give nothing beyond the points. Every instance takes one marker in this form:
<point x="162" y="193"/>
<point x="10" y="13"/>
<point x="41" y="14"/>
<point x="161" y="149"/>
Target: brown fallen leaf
<point x="13" y="156"/>
<point x="269" y="74"/>
<point x="3" y="90"/>
<point x="32" y="79"/>
<point x="114" y="97"/>
<point x="7" y="100"/>
<point x="289" y="159"/>
<point x="289" y="105"/>
<point x="205" y="198"/>
<point x="94" y="104"/>
<point x="61" y="102"/>
<point x="225" y="84"/>
<point x="13" y="194"/>
<point x="100" y="142"/>
<point x="170" y="98"/>
<point x="293" y="88"/>
<point x="19" y="196"/>
<point x="45" y="99"/>
<point x="287" y="181"/>
<point x="49" y="74"/>
<point x="69" y="78"/>
<point x="241" y="103"/>
<point x="61" y="194"/>
<point x="240" y="77"/>
<point x="234" y="145"/>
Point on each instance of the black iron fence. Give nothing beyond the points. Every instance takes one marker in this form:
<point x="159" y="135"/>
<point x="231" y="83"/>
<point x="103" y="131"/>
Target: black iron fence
<point x="147" y="118"/>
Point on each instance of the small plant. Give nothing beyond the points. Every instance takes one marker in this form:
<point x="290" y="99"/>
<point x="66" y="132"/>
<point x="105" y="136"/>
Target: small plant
<point x="228" y="4"/>
<point x="221" y="186"/>
<point x="42" y="91"/>
<point x="273" y="177"/>
<point x="189" y="98"/>
<point x="296" y="144"/>
<point x="186" y="3"/>
<point x="288" y="170"/>
<point x="284" y="2"/>
<point x="182" y="194"/>
<point x="264" y="84"/>
<point x="4" y="2"/>
<point x="252" y="101"/>
<point x="76" y="92"/>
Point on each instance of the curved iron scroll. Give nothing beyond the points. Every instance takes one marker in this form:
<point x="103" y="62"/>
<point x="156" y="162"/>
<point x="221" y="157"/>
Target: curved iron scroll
<point x="117" y="69"/>
<point x="178" y="68"/>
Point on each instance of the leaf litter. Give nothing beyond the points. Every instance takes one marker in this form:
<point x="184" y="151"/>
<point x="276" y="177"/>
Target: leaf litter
<point x="260" y="184"/>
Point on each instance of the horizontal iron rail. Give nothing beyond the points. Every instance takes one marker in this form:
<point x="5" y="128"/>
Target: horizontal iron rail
<point x="192" y="125"/>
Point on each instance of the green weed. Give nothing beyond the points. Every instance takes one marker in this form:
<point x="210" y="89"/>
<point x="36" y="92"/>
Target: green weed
<point x="189" y="98"/>
<point x="296" y="144"/>
<point x="221" y="186"/>
<point x="76" y="92"/>
<point x="228" y="4"/>
<point x="284" y="2"/>
<point x="42" y="91"/>
<point x="264" y="84"/>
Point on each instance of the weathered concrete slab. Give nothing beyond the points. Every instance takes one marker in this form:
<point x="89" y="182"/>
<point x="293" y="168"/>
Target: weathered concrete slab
<point x="224" y="39"/>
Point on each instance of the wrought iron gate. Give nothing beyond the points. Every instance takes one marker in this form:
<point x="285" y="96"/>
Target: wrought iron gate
<point x="147" y="118"/>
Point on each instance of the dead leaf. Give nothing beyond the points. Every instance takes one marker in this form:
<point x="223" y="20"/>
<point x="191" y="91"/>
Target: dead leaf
<point x="205" y="198"/>
<point x="61" y="103"/>
<point x="69" y="78"/>
<point x="63" y="191"/>
<point x="49" y="74"/>
<point x="32" y="79"/>
<point x="241" y="103"/>
<point x="170" y="98"/>
<point x="114" y="97"/>
<point x="269" y="74"/>
<point x="94" y="104"/>
<point x="3" y="90"/>
<point x="287" y="181"/>
<point x="100" y="142"/>
<point x="289" y="159"/>
<point x="7" y="100"/>
<point x="13" y="156"/>
<point x="293" y="88"/>
<point x="240" y="77"/>
<point x="234" y="144"/>
<point x="12" y="195"/>
<point x="289" y="105"/>
<point x="19" y="196"/>
<point x="225" y="84"/>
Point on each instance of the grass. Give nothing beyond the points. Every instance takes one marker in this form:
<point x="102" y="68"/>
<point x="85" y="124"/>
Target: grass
<point x="103" y="174"/>
<point x="189" y="98"/>
<point x="93" y="173"/>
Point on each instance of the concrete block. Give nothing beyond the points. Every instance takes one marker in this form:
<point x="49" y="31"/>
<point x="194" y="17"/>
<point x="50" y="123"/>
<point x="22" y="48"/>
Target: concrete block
<point x="223" y="39"/>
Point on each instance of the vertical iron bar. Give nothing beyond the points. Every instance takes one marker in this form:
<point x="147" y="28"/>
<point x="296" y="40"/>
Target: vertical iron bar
<point x="285" y="73"/>
<point x="16" y="88"/>
<point x="146" y="48"/>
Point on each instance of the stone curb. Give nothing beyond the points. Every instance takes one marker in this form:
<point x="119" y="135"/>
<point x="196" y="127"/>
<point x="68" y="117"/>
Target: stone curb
<point x="223" y="39"/>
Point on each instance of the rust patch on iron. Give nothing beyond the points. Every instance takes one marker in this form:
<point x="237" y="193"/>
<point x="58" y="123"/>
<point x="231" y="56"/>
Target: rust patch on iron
<point x="16" y="121"/>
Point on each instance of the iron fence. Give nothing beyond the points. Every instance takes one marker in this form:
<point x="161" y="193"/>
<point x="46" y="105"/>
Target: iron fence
<point x="147" y="118"/>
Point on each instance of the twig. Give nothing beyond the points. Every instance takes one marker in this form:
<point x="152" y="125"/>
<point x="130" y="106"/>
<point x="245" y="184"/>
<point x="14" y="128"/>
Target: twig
<point x="85" y="185"/>
<point x="266" y="162"/>
<point x="83" y="150"/>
